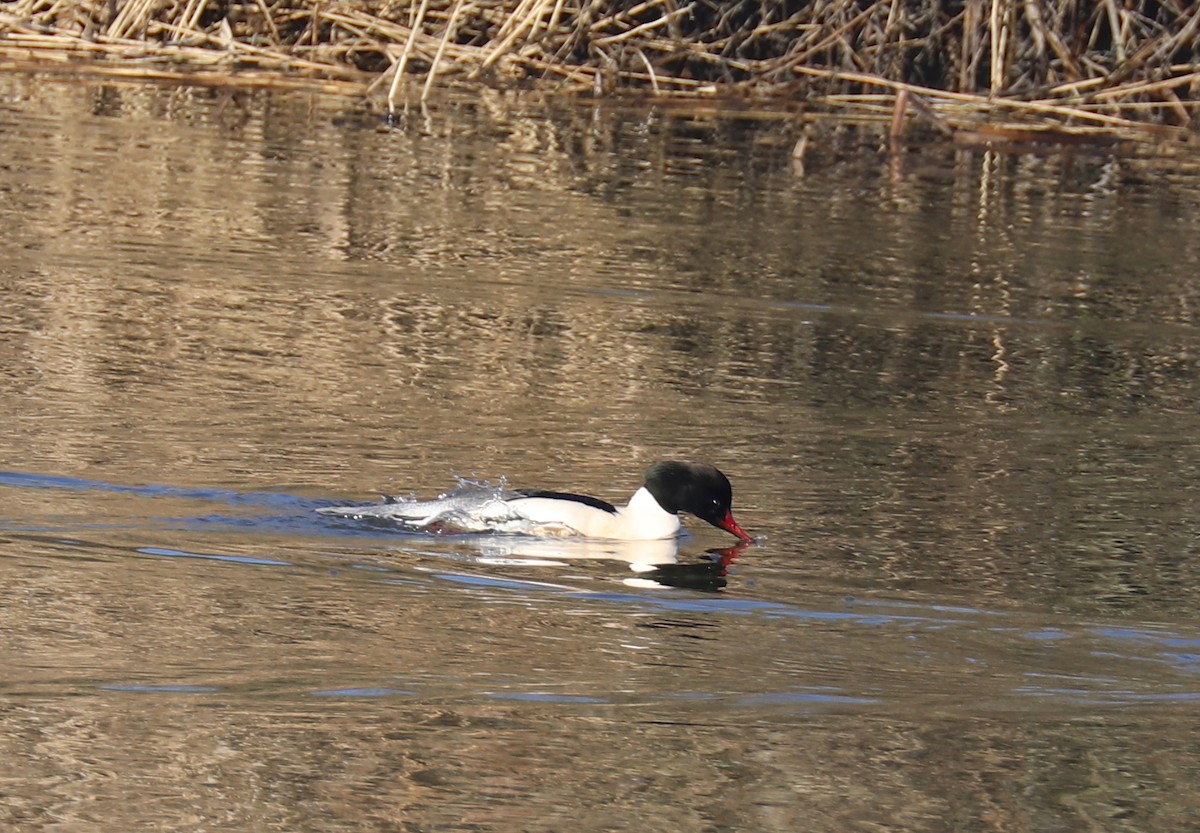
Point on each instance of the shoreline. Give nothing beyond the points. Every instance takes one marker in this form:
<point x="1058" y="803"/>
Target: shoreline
<point x="1011" y="68"/>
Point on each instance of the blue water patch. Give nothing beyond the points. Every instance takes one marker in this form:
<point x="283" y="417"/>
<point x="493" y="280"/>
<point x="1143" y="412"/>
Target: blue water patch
<point x="273" y="500"/>
<point x="1189" y="663"/>
<point x="499" y="583"/>
<point x="286" y="513"/>
<point x="237" y="559"/>
<point x="793" y="698"/>
<point x="1166" y="639"/>
<point x="364" y="692"/>
<point x="1048" y="635"/>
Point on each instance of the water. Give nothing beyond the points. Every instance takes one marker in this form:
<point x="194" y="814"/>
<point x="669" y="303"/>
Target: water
<point x="956" y="398"/>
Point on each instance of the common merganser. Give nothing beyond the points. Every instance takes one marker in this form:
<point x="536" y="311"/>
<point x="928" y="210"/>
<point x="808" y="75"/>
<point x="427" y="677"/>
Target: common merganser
<point x="651" y="514"/>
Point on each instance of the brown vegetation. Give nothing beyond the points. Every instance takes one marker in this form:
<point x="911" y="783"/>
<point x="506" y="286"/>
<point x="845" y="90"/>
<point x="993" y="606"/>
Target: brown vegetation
<point x="1111" y="63"/>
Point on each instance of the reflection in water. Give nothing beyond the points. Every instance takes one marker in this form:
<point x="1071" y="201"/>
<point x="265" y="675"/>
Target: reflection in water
<point x="644" y="554"/>
<point x="956" y="398"/>
<point x="707" y="574"/>
<point x="657" y="562"/>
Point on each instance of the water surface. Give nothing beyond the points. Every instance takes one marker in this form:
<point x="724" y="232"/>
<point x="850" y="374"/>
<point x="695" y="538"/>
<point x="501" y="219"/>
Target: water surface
<point x="956" y="398"/>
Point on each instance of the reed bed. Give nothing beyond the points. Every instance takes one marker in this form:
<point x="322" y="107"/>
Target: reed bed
<point x="1108" y="64"/>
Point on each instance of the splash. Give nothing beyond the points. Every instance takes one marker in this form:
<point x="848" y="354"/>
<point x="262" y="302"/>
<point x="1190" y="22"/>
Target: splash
<point x="471" y="506"/>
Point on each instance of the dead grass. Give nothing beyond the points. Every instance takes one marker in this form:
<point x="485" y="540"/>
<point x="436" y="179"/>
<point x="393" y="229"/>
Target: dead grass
<point x="1115" y="64"/>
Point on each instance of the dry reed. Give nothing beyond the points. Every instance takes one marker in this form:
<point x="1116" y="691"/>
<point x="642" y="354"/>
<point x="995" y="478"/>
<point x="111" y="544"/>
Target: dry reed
<point x="1115" y="63"/>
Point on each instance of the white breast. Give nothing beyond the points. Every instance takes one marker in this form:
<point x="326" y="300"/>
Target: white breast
<point x="641" y="520"/>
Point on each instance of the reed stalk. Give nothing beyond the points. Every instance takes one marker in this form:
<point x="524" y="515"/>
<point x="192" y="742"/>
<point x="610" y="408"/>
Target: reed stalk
<point x="1116" y="63"/>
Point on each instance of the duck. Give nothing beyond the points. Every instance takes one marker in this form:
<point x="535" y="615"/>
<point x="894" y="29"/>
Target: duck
<point x="652" y="513"/>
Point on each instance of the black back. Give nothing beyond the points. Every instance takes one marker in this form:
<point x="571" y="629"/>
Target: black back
<point x="593" y="502"/>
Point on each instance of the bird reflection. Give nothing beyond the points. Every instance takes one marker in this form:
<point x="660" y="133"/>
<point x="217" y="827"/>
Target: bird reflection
<point x="707" y="574"/>
<point x="657" y="563"/>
